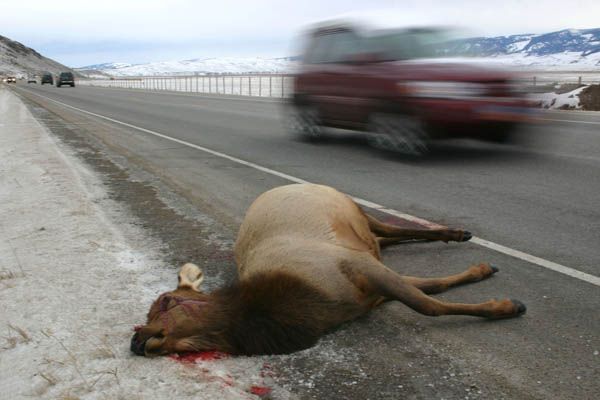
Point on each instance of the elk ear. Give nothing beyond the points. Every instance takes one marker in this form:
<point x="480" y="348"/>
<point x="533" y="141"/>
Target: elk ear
<point x="190" y="276"/>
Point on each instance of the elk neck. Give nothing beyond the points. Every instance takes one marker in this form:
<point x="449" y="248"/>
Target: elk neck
<point x="271" y="313"/>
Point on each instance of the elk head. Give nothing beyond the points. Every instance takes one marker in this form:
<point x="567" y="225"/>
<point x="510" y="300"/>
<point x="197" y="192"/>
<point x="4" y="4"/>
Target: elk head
<point x="174" y="323"/>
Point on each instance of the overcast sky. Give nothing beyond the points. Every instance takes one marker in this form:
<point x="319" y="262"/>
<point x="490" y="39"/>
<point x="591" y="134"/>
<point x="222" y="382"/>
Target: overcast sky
<point x="84" y="32"/>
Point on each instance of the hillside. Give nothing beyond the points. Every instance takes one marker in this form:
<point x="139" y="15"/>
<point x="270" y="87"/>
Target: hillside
<point x="18" y="59"/>
<point x="575" y="49"/>
<point x="568" y="49"/>
<point x="199" y="65"/>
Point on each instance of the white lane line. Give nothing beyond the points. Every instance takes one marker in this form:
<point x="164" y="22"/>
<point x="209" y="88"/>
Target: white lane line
<point x="570" y="120"/>
<point x="538" y="261"/>
<point x="476" y="240"/>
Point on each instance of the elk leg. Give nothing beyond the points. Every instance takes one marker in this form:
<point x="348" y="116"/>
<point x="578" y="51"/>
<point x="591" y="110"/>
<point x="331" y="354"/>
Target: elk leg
<point x="475" y="273"/>
<point x="374" y="277"/>
<point x="397" y="234"/>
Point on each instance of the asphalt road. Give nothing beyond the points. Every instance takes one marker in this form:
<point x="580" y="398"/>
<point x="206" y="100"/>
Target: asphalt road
<point x="540" y="196"/>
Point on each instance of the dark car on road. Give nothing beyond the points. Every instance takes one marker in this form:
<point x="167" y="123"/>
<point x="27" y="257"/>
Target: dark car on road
<point x="65" y="78"/>
<point x="394" y="85"/>
<point x="47" y="78"/>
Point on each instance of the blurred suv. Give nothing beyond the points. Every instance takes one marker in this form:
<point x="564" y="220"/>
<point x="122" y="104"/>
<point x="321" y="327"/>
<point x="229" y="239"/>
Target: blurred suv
<point x="394" y="85"/>
<point x="65" y="78"/>
<point x="47" y="78"/>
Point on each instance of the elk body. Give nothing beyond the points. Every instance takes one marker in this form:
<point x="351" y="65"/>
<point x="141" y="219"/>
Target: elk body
<point x="308" y="260"/>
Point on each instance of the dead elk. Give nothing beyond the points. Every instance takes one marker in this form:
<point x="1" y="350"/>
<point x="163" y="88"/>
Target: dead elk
<point x="308" y="259"/>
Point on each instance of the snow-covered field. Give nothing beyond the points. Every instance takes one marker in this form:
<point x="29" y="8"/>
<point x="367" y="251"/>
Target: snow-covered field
<point x="223" y="65"/>
<point x="567" y="61"/>
<point x="75" y="276"/>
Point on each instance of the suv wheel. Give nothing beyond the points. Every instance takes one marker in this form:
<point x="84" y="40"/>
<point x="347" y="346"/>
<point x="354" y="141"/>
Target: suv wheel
<point x="399" y="133"/>
<point x="303" y="121"/>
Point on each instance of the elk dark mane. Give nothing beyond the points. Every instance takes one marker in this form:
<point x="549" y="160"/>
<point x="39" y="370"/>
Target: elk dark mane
<point x="273" y="313"/>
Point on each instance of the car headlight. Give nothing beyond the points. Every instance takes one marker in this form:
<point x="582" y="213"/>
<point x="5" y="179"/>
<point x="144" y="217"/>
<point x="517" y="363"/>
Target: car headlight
<point x="441" y="89"/>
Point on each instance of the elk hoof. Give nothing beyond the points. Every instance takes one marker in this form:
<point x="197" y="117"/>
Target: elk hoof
<point x="520" y="308"/>
<point x="494" y="269"/>
<point x="466" y="236"/>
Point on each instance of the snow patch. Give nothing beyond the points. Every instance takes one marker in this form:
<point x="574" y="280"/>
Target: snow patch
<point x="560" y="101"/>
<point x="76" y="276"/>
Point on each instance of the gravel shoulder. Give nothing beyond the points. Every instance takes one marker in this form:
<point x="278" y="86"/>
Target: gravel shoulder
<point x="80" y="268"/>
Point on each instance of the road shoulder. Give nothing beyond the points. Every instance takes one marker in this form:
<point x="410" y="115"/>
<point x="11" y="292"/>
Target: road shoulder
<point x="80" y="269"/>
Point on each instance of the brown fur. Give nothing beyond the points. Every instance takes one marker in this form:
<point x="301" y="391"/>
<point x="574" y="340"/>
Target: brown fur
<point x="308" y="260"/>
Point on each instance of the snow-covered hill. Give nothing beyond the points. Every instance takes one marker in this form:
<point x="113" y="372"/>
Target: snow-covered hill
<point x="200" y="66"/>
<point x="568" y="49"/>
<point x="20" y="60"/>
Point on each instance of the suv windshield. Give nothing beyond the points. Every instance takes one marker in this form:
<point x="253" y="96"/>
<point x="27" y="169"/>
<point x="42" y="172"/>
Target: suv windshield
<point x="407" y="44"/>
<point x="67" y="75"/>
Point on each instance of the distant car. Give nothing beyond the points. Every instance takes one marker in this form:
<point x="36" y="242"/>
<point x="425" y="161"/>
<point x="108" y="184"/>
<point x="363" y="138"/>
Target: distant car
<point x="65" y="78"/>
<point x="11" y="79"/>
<point x="31" y="79"/>
<point x="394" y="85"/>
<point x="47" y="78"/>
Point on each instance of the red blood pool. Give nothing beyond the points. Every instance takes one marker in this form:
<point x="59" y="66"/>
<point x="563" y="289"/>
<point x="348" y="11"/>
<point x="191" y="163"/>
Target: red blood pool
<point x="192" y="357"/>
<point x="260" y="390"/>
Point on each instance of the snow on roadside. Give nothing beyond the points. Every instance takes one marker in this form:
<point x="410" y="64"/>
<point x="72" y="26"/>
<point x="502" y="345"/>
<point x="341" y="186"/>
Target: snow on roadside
<point x="75" y="276"/>
<point x="569" y="100"/>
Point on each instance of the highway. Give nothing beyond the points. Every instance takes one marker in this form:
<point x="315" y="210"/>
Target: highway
<point x="538" y="198"/>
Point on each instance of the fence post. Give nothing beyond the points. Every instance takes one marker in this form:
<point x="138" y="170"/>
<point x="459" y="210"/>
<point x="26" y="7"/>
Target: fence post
<point x="579" y="81"/>
<point x="249" y="85"/>
<point x="282" y="82"/>
<point x="270" y="86"/>
<point x="260" y="86"/>
<point x="224" y="87"/>
<point x="534" y="81"/>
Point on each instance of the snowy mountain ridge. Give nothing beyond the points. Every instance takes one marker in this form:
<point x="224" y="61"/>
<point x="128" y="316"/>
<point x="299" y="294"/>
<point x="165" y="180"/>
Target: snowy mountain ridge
<point x="561" y="50"/>
<point x="567" y="49"/>
<point x="198" y="65"/>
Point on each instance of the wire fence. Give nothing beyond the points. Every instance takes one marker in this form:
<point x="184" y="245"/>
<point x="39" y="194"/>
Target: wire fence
<point x="281" y="85"/>
<point x="259" y="85"/>
<point x="541" y="81"/>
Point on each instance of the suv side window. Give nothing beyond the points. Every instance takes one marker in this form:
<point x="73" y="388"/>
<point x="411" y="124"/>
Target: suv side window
<point x="335" y="47"/>
<point x="318" y="50"/>
<point x="344" y="45"/>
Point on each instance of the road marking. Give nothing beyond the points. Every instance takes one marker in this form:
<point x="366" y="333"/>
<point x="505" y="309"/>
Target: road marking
<point x="570" y="120"/>
<point x="574" y="273"/>
<point x="538" y="261"/>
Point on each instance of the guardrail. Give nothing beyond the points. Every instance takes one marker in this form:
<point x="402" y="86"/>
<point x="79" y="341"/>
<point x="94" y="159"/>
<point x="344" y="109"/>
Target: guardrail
<point x="259" y="85"/>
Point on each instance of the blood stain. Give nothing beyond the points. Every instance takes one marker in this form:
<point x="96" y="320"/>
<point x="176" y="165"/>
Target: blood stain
<point x="193" y="357"/>
<point x="260" y="390"/>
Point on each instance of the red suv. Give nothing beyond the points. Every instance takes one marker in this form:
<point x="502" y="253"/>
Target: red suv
<point x="394" y="85"/>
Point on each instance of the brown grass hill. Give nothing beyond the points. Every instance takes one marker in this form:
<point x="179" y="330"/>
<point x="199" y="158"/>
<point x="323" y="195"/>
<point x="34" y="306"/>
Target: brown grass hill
<point x="18" y="59"/>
